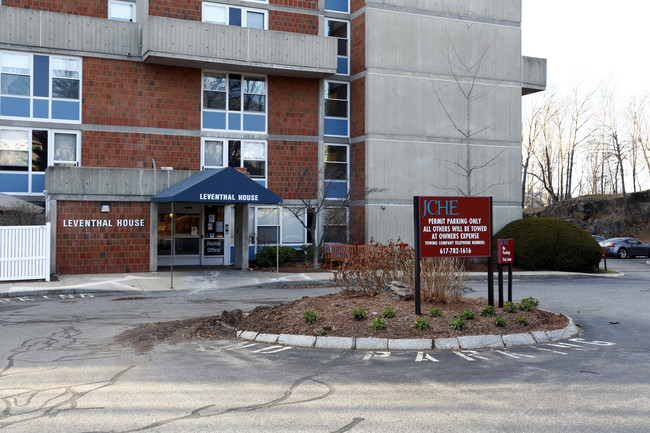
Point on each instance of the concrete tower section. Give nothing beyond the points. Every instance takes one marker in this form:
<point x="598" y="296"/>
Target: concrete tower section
<point x="442" y="83"/>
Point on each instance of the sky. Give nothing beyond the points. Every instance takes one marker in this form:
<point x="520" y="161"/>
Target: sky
<point x="590" y="41"/>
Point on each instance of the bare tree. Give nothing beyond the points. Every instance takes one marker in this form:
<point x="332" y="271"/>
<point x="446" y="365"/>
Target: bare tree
<point x="637" y="125"/>
<point x="318" y="212"/>
<point x="22" y="214"/>
<point x="464" y="68"/>
<point x="617" y="145"/>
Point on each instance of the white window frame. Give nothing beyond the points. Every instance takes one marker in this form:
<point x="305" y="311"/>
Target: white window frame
<point x="284" y="213"/>
<point x="346" y="181"/>
<point x="29" y="75"/>
<point x="48" y="98"/>
<point x="51" y="143"/>
<point x="28" y="150"/>
<point x="132" y="6"/>
<point x="346" y="224"/>
<point x="347" y="39"/>
<point x="226" y="153"/>
<point x="347" y="100"/>
<point x="241" y="110"/>
<point x="244" y="11"/>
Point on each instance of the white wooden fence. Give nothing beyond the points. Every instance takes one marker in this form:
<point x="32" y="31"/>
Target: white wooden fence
<point x="25" y="252"/>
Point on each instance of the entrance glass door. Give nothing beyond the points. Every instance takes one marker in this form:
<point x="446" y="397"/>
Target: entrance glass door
<point x="216" y="240"/>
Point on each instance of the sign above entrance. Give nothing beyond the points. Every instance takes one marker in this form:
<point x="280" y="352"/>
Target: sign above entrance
<point x="222" y="185"/>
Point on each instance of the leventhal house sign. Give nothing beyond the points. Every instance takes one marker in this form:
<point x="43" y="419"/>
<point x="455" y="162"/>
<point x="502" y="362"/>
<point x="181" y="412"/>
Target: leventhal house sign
<point x="452" y="227"/>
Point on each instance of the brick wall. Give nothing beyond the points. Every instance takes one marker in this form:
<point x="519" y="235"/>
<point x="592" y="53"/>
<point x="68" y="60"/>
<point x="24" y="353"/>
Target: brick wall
<point x="293" y="106"/>
<point x="358" y="107"/>
<point x="87" y="250"/>
<point x="355" y="5"/>
<point x="135" y="150"/>
<point x="287" y="163"/>
<point x="358" y="44"/>
<point x="358" y="225"/>
<point x="179" y="9"/>
<point x="90" y="8"/>
<point x="127" y="93"/>
<point x="293" y="22"/>
<point x="305" y="4"/>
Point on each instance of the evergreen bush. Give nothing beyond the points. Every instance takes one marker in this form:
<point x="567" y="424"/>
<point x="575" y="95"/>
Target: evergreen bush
<point x="266" y="257"/>
<point x="552" y="244"/>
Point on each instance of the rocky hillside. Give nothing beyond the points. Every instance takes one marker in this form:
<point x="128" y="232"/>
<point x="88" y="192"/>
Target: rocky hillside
<point x="603" y="215"/>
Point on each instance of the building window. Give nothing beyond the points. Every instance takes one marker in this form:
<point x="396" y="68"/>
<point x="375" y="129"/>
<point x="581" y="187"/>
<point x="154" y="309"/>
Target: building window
<point x="336" y="171"/>
<point x="341" y="30"/>
<point x="249" y="154"/>
<point x="26" y="153"/>
<point x="16" y="72"/>
<point x="335" y="223"/>
<point x="65" y="78"/>
<point x="121" y="10"/>
<point x="337" y="5"/>
<point x="234" y="102"/>
<point x="40" y="87"/>
<point x="235" y="15"/>
<point x="264" y="222"/>
<point x="336" y="108"/>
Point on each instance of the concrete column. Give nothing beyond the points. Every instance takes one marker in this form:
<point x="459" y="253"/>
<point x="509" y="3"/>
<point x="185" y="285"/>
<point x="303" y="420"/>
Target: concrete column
<point x="240" y="233"/>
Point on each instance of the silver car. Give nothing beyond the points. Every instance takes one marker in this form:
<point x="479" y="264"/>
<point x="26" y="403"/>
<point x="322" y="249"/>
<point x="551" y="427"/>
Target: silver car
<point x="624" y="248"/>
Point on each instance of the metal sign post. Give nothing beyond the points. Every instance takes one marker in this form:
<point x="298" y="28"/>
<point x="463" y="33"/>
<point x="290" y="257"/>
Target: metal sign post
<point x="505" y="254"/>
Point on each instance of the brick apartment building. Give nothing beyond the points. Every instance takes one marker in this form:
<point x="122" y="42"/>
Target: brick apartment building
<point x="112" y="113"/>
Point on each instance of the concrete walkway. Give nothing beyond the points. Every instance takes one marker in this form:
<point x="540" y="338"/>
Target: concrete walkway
<point x="210" y="278"/>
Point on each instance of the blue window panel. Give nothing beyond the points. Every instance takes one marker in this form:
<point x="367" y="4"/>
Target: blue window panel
<point x="14" y="182"/>
<point x="337" y="5"/>
<point x="254" y="122"/>
<point x="336" y="189"/>
<point x="251" y="252"/>
<point x="342" y="65"/>
<point x="336" y="127"/>
<point x="234" y="121"/>
<point x="16" y="107"/>
<point x="41" y="108"/>
<point x="41" y="76"/>
<point x="65" y="110"/>
<point x="38" y="182"/>
<point x="212" y="120"/>
<point x="235" y="17"/>
<point x="261" y="182"/>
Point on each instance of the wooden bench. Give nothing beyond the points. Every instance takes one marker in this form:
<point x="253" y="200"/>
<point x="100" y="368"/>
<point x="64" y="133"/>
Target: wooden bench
<point x="338" y="252"/>
<point x="342" y="252"/>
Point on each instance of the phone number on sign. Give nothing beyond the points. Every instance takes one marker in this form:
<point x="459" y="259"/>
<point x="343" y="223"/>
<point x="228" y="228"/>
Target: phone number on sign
<point x="445" y="251"/>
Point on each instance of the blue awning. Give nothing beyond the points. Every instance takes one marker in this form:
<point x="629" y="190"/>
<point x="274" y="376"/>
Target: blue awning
<point x="221" y="185"/>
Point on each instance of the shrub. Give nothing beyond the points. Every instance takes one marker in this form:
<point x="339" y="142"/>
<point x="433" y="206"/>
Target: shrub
<point x="528" y="304"/>
<point x="457" y="323"/>
<point x="266" y="257"/>
<point x="359" y="314"/>
<point x="510" y="307"/>
<point x="500" y="321"/>
<point x="547" y="243"/>
<point x="421" y="323"/>
<point x="377" y="324"/>
<point x="435" y="313"/>
<point x="488" y="311"/>
<point x="321" y="332"/>
<point x="522" y="321"/>
<point x="467" y="314"/>
<point x="310" y="316"/>
<point x="374" y="268"/>
<point x="388" y="313"/>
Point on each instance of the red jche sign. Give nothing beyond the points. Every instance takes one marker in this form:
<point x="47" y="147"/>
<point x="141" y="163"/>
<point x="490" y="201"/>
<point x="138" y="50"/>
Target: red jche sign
<point x="506" y="251"/>
<point x="454" y="226"/>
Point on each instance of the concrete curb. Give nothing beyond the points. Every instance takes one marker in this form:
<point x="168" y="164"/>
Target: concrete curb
<point x="54" y="292"/>
<point x="459" y="343"/>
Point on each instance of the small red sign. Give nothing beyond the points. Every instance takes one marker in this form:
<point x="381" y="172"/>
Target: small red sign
<point x="506" y="251"/>
<point x="454" y="226"/>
